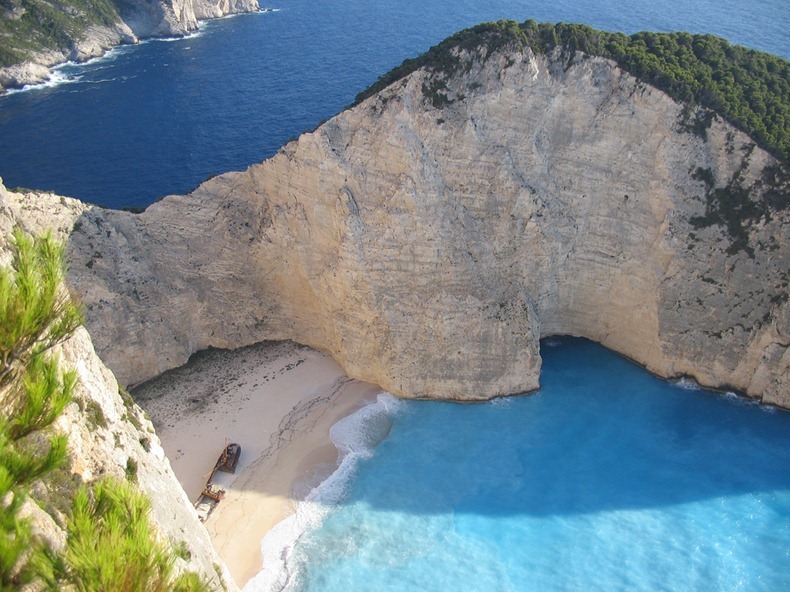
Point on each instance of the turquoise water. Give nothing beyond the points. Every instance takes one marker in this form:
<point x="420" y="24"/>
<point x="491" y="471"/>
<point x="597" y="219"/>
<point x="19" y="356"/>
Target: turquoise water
<point x="606" y="479"/>
<point x="159" y="118"/>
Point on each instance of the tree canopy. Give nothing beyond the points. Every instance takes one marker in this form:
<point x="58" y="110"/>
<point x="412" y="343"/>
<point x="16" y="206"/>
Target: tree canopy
<point x="748" y="88"/>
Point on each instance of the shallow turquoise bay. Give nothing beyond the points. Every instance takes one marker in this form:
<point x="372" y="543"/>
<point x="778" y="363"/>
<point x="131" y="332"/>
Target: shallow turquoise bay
<point x="608" y="478"/>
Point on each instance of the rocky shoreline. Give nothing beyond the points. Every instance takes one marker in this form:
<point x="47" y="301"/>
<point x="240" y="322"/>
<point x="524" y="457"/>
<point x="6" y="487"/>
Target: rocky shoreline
<point x="163" y="19"/>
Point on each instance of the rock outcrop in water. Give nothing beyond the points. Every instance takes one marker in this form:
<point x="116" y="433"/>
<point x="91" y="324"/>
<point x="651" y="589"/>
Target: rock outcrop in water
<point x="431" y="235"/>
<point x="88" y="29"/>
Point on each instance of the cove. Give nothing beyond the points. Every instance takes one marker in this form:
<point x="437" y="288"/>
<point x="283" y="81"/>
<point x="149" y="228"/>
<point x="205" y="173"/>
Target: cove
<point x="608" y="478"/>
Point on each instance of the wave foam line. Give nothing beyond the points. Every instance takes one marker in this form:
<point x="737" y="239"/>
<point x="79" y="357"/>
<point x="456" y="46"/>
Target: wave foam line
<point x="687" y="384"/>
<point x="355" y="438"/>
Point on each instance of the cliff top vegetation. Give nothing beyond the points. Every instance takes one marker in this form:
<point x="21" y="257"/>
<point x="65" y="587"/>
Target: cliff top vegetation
<point x="748" y="88"/>
<point x="30" y="26"/>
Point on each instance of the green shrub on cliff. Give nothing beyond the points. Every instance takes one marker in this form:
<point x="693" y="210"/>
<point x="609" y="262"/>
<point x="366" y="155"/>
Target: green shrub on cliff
<point x="110" y="543"/>
<point x="110" y="546"/>
<point x="748" y="88"/>
<point x="35" y="314"/>
<point x="34" y="25"/>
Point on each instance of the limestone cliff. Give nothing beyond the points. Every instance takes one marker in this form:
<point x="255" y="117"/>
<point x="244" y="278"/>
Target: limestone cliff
<point x="109" y="435"/>
<point x="207" y="9"/>
<point x="428" y="244"/>
<point x="90" y="29"/>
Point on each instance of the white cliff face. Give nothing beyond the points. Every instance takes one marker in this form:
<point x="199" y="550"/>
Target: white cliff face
<point x="29" y="72"/>
<point x="160" y="18"/>
<point x="173" y="18"/>
<point x="128" y="439"/>
<point x="206" y="9"/>
<point x="98" y="40"/>
<point x="429" y="249"/>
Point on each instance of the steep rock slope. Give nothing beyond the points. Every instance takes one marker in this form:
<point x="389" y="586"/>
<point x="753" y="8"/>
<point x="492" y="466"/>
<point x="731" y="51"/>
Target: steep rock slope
<point x="430" y="236"/>
<point x="109" y="435"/>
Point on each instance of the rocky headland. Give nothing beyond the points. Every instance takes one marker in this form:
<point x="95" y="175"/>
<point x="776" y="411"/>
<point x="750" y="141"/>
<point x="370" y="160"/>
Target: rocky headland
<point x="85" y="30"/>
<point x="429" y="236"/>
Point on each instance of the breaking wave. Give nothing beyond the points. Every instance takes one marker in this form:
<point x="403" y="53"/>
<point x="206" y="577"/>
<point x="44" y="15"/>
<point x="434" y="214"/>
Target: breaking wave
<point x="687" y="384"/>
<point x="355" y="438"/>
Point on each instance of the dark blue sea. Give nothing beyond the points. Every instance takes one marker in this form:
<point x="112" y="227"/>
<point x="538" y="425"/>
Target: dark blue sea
<point x="159" y="118"/>
<point x="607" y="479"/>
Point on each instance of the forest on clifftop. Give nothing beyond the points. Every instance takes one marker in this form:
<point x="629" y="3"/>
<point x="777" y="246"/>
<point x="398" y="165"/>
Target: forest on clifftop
<point x="30" y="26"/>
<point x="748" y="88"/>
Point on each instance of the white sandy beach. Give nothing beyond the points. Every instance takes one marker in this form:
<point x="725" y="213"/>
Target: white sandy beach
<point x="278" y="401"/>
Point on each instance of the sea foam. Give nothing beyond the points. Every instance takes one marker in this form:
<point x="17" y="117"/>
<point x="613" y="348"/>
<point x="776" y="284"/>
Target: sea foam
<point x="619" y="481"/>
<point x="56" y="78"/>
<point x="71" y="72"/>
<point x="687" y="384"/>
<point x="355" y="438"/>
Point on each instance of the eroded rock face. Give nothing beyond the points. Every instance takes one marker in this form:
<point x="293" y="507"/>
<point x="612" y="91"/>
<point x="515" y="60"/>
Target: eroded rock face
<point x="122" y="438"/>
<point x="160" y="18"/>
<point x="109" y="435"/>
<point x="98" y="40"/>
<point x="429" y="249"/>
